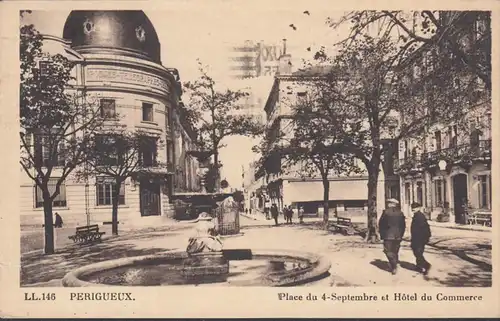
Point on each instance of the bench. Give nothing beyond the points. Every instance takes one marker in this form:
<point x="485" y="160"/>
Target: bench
<point x="87" y="234"/>
<point x="483" y="218"/>
<point x="344" y="225"/>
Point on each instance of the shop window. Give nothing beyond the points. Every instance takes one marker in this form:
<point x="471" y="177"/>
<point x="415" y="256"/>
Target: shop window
<point x="59" y="201"/>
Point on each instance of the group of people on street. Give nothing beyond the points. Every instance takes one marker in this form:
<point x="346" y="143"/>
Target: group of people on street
<point x="392" y="226"/>
<point x="287" y="213"/>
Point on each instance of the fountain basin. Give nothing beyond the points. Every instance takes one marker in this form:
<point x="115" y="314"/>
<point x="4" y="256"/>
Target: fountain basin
<point x="247" y="267"/>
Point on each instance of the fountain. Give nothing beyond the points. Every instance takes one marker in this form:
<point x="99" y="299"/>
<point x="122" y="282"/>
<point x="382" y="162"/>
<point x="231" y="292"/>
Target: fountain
<point x="204" y="262"/>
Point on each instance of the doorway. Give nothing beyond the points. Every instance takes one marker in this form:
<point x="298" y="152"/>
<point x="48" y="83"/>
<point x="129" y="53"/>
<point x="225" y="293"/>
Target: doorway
<point x="460" y="200"/>
<point x="149" y="198"/>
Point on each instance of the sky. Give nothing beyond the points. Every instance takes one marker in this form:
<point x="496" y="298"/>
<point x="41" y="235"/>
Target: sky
<point x="208" y="33"/>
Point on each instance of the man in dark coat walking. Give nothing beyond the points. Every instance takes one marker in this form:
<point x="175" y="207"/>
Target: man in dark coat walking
<point x="274" y="213"/>
<point x="420" y="235"/>
<point x="392" y="227"/>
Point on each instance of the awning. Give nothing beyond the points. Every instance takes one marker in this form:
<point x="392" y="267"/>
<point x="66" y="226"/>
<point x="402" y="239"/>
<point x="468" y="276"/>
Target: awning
<point x="308" y="191"/>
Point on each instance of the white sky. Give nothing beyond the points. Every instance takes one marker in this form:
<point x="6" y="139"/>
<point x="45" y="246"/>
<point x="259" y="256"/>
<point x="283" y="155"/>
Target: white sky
<point x="187" y="32"/>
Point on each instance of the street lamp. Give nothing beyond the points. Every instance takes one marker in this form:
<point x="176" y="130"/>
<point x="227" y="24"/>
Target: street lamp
<point x="442" y="164"/>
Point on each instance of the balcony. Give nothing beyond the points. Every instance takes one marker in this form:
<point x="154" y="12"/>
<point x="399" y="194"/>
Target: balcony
<point x="463" y="153"/>
<point x="408" y="164"/>
<point x="481" y="150"/>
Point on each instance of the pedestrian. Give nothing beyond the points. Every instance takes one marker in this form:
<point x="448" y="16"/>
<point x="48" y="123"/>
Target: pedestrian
<point x="301" y="214"/>
<point x="420" y="235"/>
<point x="392" y="227"/>
<point x="58" y="223"/>
<point x="286" y="214"/>
<point x="274" y="213"/>
<point x="267" y="208"/>
<point x="290" y="214"/>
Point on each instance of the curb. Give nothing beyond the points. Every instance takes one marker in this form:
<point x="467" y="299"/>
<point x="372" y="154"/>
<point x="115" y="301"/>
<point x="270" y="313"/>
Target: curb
<point x="31" y="253"/>
<point x="253" y="218"/>
<point x="232" y="235"/>
<point x="461" y="228"/>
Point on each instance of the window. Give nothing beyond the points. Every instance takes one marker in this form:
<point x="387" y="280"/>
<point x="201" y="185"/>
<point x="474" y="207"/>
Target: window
<point x="148" y="151"/>
<point x="105" y="189"/>
<point x="49" y="150"/>
<point x="59" y="201"/>
<point x="394" y="192"/>
<point x="453" y="136"/>
<point x="484" y="191"/>
<point x="437" y="136"/>
<point x="108" y="108"/>
<point x="439" y="192"/>
<point x="420" y="193"/>
<point x="44" y="68"/>
<point x="407" y="193"/>
<point x="107" y="153"/>
<point x="170" y="152"/>
<point x="147" y="112"/>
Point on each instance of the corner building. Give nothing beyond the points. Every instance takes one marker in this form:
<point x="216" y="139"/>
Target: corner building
<point x="117" y="56"/>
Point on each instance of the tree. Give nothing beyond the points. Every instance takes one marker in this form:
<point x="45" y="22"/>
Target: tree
<point x="379" y="100"/>
<point x="315" y="144"/>
<point x="213" y="112"/>
<point x="57" y="122"/>
<point x="441" y="30"/>
<point x="210" y="178"/>
<point x="119" y="154"/>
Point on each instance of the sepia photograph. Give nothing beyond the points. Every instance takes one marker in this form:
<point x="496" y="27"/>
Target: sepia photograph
<point x="293" y="148"/>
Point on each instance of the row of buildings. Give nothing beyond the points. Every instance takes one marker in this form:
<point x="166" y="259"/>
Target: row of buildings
<point x="117" y="62"/>
<point x="447" y="168"/>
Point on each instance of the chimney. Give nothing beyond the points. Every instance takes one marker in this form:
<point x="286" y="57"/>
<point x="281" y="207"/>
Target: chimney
<point x="284" y="62"/>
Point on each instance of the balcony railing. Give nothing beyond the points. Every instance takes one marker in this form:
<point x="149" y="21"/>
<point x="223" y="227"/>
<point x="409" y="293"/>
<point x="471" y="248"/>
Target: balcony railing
<point x="408" y="163"/>
<point x="455" y="153"/>
<point x="451" y="154"/>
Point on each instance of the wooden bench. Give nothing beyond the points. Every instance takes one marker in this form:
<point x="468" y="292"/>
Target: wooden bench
<point x="483" y="218"/>
<point x="344" y="225"/>
<point x="87" y="234"/>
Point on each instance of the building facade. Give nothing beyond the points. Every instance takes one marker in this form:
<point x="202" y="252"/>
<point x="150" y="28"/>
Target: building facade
<point x="288" y="186"/>
<point x="447" y="167"/>
<point x="117" y="64"/>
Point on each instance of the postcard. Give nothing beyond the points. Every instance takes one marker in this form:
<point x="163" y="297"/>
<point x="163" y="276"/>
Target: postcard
<point x="249" y="159"/>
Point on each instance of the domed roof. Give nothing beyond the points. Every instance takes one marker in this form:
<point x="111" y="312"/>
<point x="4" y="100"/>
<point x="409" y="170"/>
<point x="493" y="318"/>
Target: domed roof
<point x="129" y="32"/>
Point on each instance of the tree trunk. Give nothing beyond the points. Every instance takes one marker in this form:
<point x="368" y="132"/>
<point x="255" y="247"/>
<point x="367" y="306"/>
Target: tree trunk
<point x="114" y="211"/>
<point x="217" y="174"/>
<point x="371" y="234"/>
<point x="49" y="223"/>
<point x="326" y="199"/>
